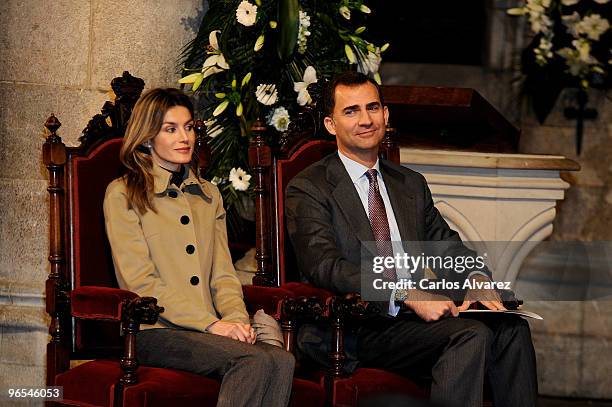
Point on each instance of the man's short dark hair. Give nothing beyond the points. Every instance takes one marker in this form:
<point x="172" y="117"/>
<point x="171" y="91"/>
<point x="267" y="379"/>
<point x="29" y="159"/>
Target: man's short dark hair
<point x="347" y="78"/>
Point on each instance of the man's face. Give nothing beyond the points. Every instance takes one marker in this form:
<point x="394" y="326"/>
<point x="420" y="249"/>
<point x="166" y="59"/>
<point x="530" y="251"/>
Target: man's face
<point x="358" y="120"/>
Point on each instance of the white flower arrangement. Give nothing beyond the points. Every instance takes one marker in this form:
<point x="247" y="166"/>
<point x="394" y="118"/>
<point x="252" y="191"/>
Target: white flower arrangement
<point x="279" y="119"/>
<point x="584" y="30"/>
<point x="255" y="59"/>
<point x="246" y="13"/>
<point x="570" y="48"/>
<point x="239" y="179"/>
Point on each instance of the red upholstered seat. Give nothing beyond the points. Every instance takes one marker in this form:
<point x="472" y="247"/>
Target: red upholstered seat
<point x="365" y="383"/>
<point x="93" y="383"/>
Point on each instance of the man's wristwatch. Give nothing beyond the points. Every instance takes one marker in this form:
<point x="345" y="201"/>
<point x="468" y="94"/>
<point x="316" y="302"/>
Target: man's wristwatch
<point x="401" y="294"/>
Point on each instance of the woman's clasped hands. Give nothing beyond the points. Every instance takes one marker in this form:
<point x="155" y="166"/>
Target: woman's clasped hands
<point x="234" y="330"/>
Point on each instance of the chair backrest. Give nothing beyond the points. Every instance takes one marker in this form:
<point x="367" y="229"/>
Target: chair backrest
<point x="79" y="250"/>
<point x="89" y="260"/>
<point x="274" y="170"/>
<point x="285" y="169"/>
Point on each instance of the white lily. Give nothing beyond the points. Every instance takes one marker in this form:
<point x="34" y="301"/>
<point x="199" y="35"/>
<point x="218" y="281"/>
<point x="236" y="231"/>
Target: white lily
<point x="369" y="64"/>
<point x="215" y="63"/>
<point x="571" y="22"/>
<point x="310" y="76"/>
<point x="345" y="12"/>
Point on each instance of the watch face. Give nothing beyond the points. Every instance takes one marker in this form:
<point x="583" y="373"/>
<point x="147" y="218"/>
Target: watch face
<point x="401" y="294"/>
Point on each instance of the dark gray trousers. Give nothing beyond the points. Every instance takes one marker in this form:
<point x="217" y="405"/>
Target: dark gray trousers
<point x="252" y="375"/>
<point x="457" y="354"/>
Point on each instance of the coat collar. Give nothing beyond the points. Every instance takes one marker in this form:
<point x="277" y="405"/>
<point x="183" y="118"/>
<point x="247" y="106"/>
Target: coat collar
<point x="161" y="182"/>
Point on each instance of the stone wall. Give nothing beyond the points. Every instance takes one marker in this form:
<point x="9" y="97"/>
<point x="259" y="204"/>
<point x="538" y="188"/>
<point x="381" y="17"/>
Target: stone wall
<point x="59" y="57"/>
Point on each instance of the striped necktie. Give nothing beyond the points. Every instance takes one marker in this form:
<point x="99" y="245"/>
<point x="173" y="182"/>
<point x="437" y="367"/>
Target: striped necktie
<point x="379" y="222"/>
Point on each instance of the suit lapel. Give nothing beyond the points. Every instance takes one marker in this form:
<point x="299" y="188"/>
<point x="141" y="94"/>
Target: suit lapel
<point x="402" y="202"/>
<point x="348" y="201"/>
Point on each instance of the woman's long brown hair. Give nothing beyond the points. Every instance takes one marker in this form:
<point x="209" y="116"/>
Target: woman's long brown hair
<point x="144" y="124"/>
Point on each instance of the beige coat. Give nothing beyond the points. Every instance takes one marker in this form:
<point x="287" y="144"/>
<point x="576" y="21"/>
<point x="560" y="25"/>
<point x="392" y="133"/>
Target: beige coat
<point x="178" y="255"/>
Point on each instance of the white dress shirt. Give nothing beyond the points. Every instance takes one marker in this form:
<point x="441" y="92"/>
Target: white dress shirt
<point x="357" y="173"/>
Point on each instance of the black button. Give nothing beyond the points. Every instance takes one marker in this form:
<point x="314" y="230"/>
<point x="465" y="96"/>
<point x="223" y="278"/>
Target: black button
<point x="190" y="249"/>
<point x="194" y="280"/>
<point x="173" y="194"/>
<point x="184" y="219"/>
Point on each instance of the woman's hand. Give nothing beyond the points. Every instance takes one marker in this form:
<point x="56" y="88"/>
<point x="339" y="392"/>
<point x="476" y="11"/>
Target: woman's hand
<point x="234" y="330"/>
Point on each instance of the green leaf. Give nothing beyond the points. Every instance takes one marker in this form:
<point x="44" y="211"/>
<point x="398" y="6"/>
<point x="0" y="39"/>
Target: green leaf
<point x="360" y="30"/>
<point x="288" y="18"/>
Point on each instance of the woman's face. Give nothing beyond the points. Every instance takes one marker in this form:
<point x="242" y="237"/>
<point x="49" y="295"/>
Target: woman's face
<point x="173" y="145"/>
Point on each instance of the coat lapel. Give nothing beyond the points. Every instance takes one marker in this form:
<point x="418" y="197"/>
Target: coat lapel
<point x="402" y="202"/>
<point x="348" y="201"/>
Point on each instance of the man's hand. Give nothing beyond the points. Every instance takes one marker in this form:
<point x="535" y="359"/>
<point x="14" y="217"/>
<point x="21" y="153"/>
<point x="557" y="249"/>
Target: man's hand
<point x="430" y="307"/>
<point x="488" y="297"/>
<point x="234" y="330"/>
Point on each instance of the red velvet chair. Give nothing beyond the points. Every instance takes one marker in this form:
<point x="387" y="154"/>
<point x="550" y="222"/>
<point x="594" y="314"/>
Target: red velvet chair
<point x="276" y="260"/>
<point x="92" y="319"/>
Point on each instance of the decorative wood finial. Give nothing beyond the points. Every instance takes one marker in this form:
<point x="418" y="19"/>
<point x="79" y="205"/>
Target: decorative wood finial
<point x="53" y="124"/>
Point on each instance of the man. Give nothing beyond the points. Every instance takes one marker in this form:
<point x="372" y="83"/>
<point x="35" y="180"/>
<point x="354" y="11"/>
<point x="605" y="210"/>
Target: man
<point x="350" y="198"/>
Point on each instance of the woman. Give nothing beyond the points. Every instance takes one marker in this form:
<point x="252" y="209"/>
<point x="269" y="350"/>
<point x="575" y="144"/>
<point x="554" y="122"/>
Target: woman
<point x="167" y="233"/>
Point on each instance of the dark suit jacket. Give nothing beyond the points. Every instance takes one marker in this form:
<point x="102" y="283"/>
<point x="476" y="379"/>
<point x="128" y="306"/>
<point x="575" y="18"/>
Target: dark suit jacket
<point x="327" y="223"/>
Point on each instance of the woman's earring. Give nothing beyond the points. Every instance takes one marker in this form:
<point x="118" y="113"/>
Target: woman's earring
<point x="145" y="148"/>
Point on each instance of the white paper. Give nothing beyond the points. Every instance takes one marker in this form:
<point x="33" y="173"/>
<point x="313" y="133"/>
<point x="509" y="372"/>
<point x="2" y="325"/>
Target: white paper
<point x="522" y="313"/>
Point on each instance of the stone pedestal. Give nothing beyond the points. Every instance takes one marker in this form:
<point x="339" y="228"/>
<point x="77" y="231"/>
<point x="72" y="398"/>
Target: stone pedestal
<point x="490" y="198"/>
